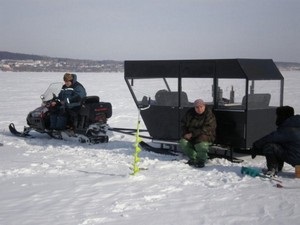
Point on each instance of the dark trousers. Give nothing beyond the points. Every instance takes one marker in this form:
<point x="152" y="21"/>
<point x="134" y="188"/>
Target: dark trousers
<point x="58" y="122"/>
<point x="58" y="118"/>
<point x="62" y="117"/>
<point x="274" y="154"/>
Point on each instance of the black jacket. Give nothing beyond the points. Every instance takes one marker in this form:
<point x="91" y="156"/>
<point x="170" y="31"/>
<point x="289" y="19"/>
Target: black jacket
<point x="288" y="136"/>
<point x="72" y="96"/>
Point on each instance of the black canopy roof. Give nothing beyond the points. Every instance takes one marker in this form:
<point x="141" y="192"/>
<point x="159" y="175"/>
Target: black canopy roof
<point x="251" y="69"/>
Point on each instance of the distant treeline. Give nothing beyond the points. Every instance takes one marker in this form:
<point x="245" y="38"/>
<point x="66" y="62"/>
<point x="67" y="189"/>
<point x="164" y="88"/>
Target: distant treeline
<point x="19" y="56"/>
<point x="10" y="61"/>
<point x="35" y="63"/>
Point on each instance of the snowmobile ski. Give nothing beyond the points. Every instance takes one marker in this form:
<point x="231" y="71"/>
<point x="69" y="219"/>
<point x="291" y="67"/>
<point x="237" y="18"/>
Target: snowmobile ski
<point x="15" y="132"/>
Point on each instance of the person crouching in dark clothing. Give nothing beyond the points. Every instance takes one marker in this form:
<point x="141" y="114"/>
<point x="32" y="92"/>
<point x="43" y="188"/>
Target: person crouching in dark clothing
<point x="198" y="128"/>
<point x="282" y="145"/>
<point x="69" y="98"/>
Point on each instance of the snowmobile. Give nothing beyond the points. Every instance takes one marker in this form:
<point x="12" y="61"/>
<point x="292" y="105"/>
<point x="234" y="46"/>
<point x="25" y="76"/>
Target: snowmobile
<point x="88" y="124"/>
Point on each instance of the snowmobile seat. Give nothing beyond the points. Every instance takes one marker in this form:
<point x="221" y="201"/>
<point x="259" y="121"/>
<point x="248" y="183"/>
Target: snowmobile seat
<point x="93" y="111"/>
<point x="90" y="99"/>
<point x="75" y="116"/>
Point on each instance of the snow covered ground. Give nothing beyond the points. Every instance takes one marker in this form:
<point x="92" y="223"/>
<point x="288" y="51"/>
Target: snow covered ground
<point x="45" y="181"/>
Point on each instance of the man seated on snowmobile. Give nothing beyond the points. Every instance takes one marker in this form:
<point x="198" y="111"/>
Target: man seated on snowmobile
<point x="198" y="128"/>
<point x="68" y="101"/>
<point x="282" y="145"/>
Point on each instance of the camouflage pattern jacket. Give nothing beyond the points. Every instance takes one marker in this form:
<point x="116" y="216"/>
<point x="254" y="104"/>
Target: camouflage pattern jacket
<point x="202" y="127"/>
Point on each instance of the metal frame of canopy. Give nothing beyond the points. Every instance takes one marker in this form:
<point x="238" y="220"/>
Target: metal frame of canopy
<point x="239" y="125"/>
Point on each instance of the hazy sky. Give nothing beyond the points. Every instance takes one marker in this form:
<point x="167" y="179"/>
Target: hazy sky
<point x="152" y="29"/>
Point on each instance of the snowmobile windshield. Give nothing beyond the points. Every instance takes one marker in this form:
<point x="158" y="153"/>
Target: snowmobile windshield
<point x="52" y="91"/>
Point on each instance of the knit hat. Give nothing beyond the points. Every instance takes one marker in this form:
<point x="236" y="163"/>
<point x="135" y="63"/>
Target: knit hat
<point x="199" y="102"/>
<point x="283" y="113"/>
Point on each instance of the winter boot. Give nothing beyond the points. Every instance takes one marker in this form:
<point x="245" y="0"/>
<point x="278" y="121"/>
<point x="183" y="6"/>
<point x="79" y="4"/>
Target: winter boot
<point x="271" y="173"/>
<point x="272" y="165"/>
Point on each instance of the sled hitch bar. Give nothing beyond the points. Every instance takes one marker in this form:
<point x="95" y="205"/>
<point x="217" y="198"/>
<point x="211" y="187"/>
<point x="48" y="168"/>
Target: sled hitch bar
<point x="129" y="131"/>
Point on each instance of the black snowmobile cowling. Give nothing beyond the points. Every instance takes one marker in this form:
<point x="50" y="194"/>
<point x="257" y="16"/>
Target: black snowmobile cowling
<point x="243" y="94"/>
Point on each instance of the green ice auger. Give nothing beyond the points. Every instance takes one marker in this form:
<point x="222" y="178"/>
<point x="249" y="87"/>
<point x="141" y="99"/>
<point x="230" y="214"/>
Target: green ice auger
<point x="136" y="158"/>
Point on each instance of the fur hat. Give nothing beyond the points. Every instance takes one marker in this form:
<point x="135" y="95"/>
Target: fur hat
<point x="283" y="113"/>
<point x="199" y="102"/>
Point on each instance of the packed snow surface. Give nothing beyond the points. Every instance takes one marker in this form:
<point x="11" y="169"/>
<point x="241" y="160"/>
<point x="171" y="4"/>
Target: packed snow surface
<point x="46" y="181"/>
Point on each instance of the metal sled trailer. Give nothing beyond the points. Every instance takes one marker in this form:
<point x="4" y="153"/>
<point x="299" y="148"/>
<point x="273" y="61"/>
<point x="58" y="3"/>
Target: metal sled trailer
<point x="243" y="94"/>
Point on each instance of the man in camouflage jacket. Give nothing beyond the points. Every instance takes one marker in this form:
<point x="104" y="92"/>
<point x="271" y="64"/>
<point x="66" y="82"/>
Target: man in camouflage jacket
<point x="198" y="128"/>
